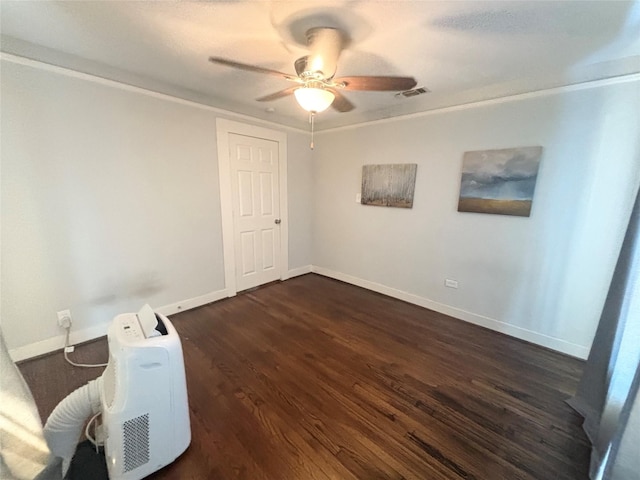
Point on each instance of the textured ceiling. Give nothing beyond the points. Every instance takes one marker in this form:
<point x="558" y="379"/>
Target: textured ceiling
<point x="461" y="51"/>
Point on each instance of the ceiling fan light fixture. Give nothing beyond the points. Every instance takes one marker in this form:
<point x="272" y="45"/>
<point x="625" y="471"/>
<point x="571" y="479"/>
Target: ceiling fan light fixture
<point x="314" y="100"/>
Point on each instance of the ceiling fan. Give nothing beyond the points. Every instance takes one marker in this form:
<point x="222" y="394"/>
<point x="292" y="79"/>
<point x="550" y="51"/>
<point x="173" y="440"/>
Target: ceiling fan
<point x="315" y="87"/>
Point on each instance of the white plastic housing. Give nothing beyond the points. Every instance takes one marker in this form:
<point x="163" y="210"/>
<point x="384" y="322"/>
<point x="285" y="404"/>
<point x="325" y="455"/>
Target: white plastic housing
<point x="325" y="45"/>
<point x="145" y="411"/>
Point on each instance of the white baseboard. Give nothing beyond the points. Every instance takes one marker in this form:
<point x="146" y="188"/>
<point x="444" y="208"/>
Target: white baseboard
<point x="78" y="336"/>
<point x="56" y="343"/>
<point x="553" y="343"/>
<point x="296" y="272"/>
<point x="190" y="303"/>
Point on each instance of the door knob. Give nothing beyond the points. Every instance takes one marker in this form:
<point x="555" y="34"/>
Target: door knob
<point x="277" y="221"/>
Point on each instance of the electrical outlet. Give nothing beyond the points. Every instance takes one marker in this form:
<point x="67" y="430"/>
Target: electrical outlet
<point x="450" y="283"/>
<point x="358" y="198"/>
<point x="64" y="318"/>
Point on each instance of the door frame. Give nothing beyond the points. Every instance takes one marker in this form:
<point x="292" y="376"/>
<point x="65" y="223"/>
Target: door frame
<point x="225" y="127"/>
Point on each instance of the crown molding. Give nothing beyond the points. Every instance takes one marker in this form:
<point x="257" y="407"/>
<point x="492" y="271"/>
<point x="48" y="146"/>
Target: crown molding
<point x="627" y="78"/>
<point x="39" y="65"/>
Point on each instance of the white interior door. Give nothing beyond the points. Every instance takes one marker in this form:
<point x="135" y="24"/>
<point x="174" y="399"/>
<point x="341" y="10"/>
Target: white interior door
<point x="256" y="209"/>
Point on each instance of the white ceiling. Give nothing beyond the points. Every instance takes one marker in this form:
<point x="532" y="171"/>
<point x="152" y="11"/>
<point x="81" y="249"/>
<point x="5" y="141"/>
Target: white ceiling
<point x="461" y="51"/>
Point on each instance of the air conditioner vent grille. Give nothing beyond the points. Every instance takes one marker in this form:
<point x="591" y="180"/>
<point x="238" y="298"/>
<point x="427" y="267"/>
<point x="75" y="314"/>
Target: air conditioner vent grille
<point x="413" y="92"/>
<point x="136" y="442"/>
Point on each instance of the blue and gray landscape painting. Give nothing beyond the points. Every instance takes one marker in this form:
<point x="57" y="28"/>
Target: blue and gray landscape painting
<point x="499" y="181"/>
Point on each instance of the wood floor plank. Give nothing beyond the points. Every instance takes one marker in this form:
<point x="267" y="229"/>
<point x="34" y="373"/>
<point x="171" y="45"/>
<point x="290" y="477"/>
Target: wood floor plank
<point x="316" y="379"/>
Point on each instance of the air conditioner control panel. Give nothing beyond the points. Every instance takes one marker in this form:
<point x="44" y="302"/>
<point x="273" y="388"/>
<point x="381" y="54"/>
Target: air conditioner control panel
<point x="129" y="328"/>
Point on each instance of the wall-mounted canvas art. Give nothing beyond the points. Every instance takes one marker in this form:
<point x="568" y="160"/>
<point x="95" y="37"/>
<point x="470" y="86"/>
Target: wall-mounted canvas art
<point x="499" y="181"/>
<point x="389" y="185"/>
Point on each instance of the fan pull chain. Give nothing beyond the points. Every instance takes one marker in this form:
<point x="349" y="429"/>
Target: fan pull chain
<point x="312" y="116"/>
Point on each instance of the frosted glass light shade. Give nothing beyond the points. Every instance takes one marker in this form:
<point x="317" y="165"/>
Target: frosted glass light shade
<point x="314" y="99"/>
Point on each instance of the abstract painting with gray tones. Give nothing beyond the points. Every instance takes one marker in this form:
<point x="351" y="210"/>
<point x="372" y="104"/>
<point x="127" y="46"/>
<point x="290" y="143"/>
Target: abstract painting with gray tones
<point x="499" y="181"/>
<point x="389" y="185"/>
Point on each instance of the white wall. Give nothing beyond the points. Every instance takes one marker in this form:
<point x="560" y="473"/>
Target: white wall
<point x="300" y="192"/>
<point x="542" y="278"/>
<point x="110" y="199"/>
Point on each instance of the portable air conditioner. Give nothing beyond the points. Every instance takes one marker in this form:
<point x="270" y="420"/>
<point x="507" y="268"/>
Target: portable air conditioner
<point x="142" y="396"/>
<point x="145" y="413"/>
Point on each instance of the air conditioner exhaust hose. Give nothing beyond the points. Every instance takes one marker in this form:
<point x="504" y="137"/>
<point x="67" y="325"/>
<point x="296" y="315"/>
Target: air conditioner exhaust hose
<point x="64" y="425"/>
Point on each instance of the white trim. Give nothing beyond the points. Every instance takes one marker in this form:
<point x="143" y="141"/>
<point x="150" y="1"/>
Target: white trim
<point x="226" y="208"/>
<point x="191" y="303"/>
<point x="131" y="88"/>
<point x="628" y="78"/>
<point x="296" y="272"/>
<point x="91" y="333"/>
<point x="9" y="57"/>
<point x="553" y="343"/>
<point x="284" y="206"/>
<point x="123" y="86"/>
<point x="56" y="343"/>
<point x="223" y="128"/>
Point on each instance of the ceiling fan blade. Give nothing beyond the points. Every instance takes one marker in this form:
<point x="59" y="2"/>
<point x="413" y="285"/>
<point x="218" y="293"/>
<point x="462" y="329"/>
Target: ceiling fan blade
<point x="277" y="95"/>
<point x="379" y="84"/>
<point x="252" y="68"/>
<point x="340" y="103"/>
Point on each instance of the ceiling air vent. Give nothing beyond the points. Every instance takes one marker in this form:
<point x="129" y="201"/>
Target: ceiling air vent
<point x="413" y="92"/>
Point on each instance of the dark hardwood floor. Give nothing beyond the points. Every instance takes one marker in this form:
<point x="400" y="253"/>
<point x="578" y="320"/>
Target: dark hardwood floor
<point x="313" y="379"/>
